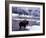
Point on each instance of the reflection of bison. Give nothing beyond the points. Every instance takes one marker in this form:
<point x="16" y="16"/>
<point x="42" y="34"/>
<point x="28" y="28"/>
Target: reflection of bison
<point x="23" y="23"/>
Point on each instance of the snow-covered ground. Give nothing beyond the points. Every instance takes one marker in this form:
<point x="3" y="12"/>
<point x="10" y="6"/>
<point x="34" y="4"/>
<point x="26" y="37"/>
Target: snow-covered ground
<point x="29" y="27"/>
<point x="33" y="28"/>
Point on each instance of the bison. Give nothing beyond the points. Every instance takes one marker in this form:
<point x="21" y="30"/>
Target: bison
<point x="23" y="23"/>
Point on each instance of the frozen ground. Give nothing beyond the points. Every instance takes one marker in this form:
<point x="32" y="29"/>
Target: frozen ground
<point x="28" y="28"/>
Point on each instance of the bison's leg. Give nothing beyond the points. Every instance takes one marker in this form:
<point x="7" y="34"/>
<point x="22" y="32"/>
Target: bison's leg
<point x="24" y="26"/>
<point x="20" y="28"/>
